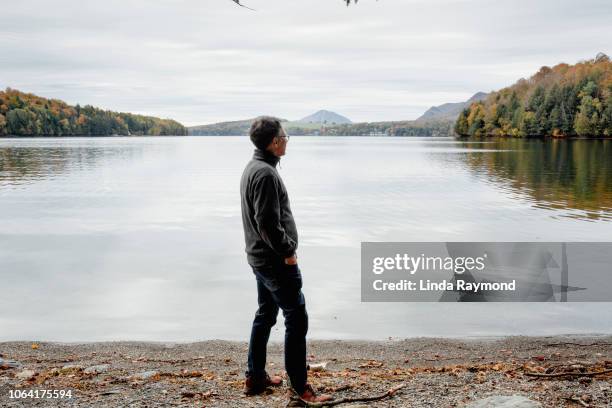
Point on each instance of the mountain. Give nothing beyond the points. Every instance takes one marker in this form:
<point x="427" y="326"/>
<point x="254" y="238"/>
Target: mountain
<point x="450" y="111"/>
<point x="232" y="128"/>
<point x="308" y="125"/>
<point x="326" y="118"/>
<point x="25" y="114"/>
<point x="562" y="101"/>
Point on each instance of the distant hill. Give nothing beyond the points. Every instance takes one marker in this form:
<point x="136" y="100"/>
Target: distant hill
<point x="25" y="114"/>
<point x="231" y="128"/>
<point x="398" y="128"/>
<point x="450" y="111"/>
<point x="308" y="125"/>
<point x="326" y="118"/>
<point x="562" y="101"/>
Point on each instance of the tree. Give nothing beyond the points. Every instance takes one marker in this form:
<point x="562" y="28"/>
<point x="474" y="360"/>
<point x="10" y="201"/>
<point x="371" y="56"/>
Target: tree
<point x="529" y="125"/>
<point x="476" y="120"/>
<point x="587" y="120"/>
<point x="606" y="117"/>
<point x="461" y="126"/>
<point x="555" y="122"/>
<point x="536" y="99"/>
<point x="2" y="125"/>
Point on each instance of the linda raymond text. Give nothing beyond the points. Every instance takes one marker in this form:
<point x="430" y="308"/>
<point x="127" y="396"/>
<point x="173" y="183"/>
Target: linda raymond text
<point x="458" y="285"/>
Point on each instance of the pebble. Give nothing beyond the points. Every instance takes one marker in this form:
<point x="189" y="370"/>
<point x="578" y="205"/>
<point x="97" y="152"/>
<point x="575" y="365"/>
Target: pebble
<point x="145" y="375"/>
<point x="504" y="401"/>
<point x="26" y="374"/>
<point x="318" y="366"/>
<point x="97" y="369"/>
<point x="70" y="368"/>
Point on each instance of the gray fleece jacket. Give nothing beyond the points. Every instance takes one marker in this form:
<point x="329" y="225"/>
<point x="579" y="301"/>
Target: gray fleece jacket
<point x="270" y="233"/>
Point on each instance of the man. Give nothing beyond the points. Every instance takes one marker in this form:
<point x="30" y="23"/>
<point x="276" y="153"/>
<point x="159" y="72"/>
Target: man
<point x="271" y="242"/>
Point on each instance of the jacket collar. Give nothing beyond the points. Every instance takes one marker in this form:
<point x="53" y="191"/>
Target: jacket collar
<point x="266" y="156"/>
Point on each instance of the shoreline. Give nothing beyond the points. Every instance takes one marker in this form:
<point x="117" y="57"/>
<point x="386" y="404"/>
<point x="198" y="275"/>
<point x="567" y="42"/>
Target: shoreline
<point x="438" y="372"/>
<point x="483" y="338"/>
<point x="456" y="137"/>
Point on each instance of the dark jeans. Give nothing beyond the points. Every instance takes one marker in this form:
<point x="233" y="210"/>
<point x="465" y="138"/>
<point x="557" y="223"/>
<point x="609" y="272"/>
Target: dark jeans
<point x="280" y="286"/>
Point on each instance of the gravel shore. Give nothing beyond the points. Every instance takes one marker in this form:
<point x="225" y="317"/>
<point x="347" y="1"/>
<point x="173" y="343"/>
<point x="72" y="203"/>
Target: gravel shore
<point x="436" y="372"/>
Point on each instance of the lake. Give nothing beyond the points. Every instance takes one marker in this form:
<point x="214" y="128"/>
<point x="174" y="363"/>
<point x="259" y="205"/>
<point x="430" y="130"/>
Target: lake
<point x="141" y="238"/>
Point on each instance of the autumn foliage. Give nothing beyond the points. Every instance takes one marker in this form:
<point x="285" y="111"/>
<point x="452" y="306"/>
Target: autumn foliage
<point x="565" y="100"/>
<point x="25" y="114"/>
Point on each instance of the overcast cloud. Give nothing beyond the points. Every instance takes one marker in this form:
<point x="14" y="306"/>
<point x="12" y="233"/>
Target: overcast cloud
<point x="204" y="61"/>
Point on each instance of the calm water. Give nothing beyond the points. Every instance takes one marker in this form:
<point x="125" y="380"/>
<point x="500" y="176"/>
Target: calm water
<point x="141" y="238"/>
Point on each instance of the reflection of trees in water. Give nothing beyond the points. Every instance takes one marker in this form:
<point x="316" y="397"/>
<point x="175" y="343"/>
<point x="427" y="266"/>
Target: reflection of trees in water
<point x="23" y="164"/>
<point x="569" y="174"/>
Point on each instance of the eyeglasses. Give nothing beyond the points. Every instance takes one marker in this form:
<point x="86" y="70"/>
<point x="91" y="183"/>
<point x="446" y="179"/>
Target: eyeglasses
<point x="284" y="137"/>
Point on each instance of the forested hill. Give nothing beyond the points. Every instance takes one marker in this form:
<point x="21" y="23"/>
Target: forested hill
<point x="562" y="101"/>
<point x="24" y="114"/>
<point x="398" y="128"/>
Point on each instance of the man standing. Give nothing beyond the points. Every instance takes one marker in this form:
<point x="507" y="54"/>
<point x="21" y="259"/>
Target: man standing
<point x="271" y="242"/>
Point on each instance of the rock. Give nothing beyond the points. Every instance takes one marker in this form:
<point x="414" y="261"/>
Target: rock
<point x="8" y="364"/>
<point x="318" y="366"/>
<point x="503" y="401"/>
<point x="26" y="374"/>
<point x="70" y="368"/>
<point x="145" y="375"/>
<point x="97" y="369"/>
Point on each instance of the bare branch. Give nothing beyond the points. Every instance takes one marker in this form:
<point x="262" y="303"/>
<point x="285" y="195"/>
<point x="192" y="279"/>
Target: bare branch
<point x="568" y="374"/>
<point x="332" y="403"/>
<point x="242" y="5"/>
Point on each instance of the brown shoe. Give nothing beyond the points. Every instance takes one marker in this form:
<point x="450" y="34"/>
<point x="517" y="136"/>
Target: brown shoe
<point x="254" y="386"/>
<point x="310" y="396"/>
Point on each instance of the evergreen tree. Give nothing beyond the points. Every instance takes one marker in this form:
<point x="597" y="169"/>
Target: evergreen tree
<point x="587" y="120"/>
<point x="461" y="126"/>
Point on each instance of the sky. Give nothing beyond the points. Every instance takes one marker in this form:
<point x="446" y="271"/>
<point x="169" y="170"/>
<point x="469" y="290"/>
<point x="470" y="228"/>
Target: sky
<point x="206" y="61"/>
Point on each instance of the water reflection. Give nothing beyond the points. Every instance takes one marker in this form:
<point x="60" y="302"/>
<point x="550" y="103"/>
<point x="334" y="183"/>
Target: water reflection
<point x="141" y="238"/>
<point x="552" y="174"/>
<point x="30" y="160"/>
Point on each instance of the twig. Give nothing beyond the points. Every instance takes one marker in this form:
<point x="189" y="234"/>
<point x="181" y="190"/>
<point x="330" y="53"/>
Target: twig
<point x="577" y="344"/>
<point x="577" y="400"/>
<point x="339" y="401"/>
<point x="152" y="360"/>
<point x="343" y="388"/>
<point x="444" y="359"/>
<point x="566" y="374"/>
<point x="109" y="392"/>
<point x="242" y="5"/>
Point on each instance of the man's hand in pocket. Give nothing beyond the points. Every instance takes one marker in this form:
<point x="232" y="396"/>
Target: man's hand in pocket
<point x="292" y="260"/>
